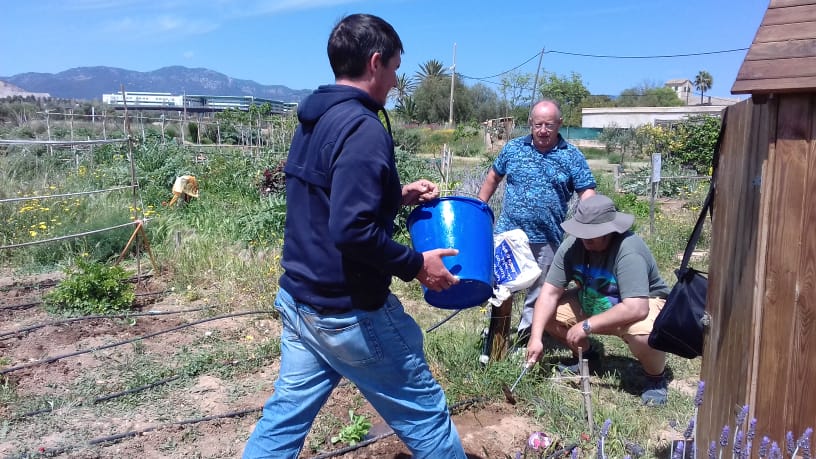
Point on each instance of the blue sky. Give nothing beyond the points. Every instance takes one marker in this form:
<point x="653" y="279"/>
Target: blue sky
<point x="284" y="41"/>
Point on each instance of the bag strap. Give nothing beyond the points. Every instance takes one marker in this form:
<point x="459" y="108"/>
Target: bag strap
<point x="708" y="204"/>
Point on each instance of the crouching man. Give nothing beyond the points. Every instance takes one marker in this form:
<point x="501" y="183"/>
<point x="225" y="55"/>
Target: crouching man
<point x="618" y="291"/>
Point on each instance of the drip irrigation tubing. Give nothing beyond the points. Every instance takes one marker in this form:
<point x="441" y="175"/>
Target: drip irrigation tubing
<point x="104" y="398"/>
<point x="15" y="307"/>
<point x="120" y="343"/>
<point x="50" y="452"/>
<point x="10" y="334"/>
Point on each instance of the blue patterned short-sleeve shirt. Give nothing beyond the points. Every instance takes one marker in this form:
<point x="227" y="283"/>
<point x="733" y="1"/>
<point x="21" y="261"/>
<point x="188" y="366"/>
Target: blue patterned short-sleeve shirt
<point x="538" y="187"/>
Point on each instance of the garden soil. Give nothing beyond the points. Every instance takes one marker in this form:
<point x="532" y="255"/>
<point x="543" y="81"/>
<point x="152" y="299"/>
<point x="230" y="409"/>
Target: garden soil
<point x="208" y="418"/>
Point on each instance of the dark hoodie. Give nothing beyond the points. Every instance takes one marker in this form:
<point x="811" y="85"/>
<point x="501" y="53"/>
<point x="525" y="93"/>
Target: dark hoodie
<point x="342" y="195"/>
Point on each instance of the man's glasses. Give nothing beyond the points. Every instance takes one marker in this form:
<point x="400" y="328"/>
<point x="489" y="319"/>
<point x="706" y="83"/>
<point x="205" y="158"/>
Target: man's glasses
<point x="549" y="127"/>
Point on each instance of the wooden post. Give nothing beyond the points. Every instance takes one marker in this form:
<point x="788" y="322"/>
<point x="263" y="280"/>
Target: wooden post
<point x="499" y="329"/>
<point x="584" y="370"/>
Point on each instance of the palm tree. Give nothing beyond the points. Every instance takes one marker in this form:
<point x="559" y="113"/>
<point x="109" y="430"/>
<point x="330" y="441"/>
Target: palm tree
<point x="407" y="109"/>
<point x="703" y="82"/>
<point x="404" y="88"/>
<point x="431" y="69"/>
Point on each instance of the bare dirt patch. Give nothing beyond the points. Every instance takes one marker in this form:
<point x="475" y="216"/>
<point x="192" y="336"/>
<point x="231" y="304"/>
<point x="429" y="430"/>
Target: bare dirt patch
<point x="55" y="373"/>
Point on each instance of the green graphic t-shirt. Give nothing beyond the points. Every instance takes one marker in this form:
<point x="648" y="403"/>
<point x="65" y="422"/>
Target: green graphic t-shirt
<point x="627" y="269"/>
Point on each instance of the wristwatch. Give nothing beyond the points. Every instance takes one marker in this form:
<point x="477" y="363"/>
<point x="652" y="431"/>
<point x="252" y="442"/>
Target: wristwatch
<point x="587" y="328"/>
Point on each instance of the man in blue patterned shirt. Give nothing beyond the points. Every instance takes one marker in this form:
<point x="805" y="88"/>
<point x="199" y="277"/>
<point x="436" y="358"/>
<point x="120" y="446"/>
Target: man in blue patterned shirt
<point x="542" y="172"/>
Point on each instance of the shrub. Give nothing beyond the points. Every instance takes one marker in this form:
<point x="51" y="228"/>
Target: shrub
<point x="91" y="288"/>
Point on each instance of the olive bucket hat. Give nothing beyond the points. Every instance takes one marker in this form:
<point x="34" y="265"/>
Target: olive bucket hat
<point x="596" y="216"/>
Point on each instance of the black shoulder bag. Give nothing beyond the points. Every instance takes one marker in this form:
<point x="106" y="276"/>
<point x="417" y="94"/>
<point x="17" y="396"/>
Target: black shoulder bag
<point x="679" y="327"/>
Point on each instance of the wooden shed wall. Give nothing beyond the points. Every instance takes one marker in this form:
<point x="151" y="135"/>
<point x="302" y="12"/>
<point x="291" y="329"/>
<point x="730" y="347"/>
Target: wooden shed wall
<point x="761" y="347"/>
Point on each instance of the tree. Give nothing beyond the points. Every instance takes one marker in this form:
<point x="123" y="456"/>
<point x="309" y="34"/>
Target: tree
<point x="404" y="88"/>
<point x="406" y="109"/>
<point x="430" y="69"/>
<point x="516" y="91"/>
<point x="486" y="103"/>
<point x="569" y="92"/>
<point x="648" y="95"/>
<point x="703" y="82"/>
<point x="692" y="142"/>
<point x="432" y="99"/>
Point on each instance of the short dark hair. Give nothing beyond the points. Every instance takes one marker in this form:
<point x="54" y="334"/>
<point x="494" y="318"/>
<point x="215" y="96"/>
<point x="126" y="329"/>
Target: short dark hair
<point x="355" y="39"/>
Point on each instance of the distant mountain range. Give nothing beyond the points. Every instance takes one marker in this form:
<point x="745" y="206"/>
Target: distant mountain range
<point x="90" y="83"/>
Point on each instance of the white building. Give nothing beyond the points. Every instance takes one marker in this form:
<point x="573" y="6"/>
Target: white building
<point x="630" y="117"/>
<point x="683" y="87"/>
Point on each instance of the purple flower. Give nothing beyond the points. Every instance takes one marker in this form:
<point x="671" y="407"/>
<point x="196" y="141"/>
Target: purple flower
<point x="574" y="454"/>
<point x="678" y="451"/>
<point x="776" y="453"/>
<point x="633" y="448"/>
<point x="698" y="399"/>
<point x="605" y="428"/>
<point x="749" y="438"/>
<point x="724" y="436"/>
<point x="741" y="416"/>
<point x="763" y="446"/>
<point x="712" y="450"/>
<point x="804" y="443"/>
<point x="738" y="443"/>
<point x="689" y="430"/>
<point x="518" y="454"/>
<point x="790" y="445"/>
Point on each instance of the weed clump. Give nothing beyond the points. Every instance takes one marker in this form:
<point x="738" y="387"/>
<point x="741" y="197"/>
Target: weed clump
<point x="91" y="288"/>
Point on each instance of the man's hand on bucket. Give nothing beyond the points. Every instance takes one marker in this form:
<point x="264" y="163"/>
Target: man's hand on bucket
<point x="418" y="192"/>
<point x="433" y="273"/>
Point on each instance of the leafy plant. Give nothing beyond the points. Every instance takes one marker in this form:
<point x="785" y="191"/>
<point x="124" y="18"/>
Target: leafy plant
<point x="92" y="288"/>
<point x="355" y="431"/>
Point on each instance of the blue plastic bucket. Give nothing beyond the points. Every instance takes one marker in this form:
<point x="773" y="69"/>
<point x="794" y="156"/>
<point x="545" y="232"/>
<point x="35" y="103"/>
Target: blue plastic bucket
<point x="460" y="223"/>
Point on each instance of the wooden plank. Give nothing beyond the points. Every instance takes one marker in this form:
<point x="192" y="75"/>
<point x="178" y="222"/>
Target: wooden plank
<point x="724" y="366"/>
<point x="802" y="397"/>
<point x="790" y="14"/>
<point x="789" y="3"/>
<point x="782" y="50"/>
<point x="782" y="32"/>
<point x="774" y="85"/>
<point x="778" y="68"/>
<point x="785" y="184"/>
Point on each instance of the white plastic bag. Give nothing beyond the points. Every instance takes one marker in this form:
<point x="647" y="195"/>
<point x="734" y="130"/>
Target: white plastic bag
<point x="514" y="266"/>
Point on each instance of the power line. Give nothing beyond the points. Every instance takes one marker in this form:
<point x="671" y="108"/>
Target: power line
<point x="603" y="56"/>
<point x="658" y="56"/>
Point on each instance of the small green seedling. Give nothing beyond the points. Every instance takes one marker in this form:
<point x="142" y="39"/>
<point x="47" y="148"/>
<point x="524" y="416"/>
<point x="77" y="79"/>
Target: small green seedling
<point x="355" y="431"/>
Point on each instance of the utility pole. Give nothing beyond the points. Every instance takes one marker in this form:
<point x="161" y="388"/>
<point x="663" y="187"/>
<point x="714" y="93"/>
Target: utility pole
<point x="453" y="78"/>
<point x="535" y="82"/>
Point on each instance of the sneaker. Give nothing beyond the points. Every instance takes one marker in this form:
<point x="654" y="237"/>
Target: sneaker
<point x="656" y="391"/>
<point x="592" y="356"/>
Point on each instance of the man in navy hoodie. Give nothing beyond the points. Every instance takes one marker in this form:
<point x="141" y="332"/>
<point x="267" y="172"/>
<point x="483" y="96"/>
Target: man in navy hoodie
<point x="339" y="317"/>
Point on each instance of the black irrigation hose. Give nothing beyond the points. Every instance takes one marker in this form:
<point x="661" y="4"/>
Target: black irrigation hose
<point x="104" y="398"/>
<point x="121" y="436"/>
<point x="138" y="338"/>
<point x="13" y="333"/>
<point x="20" y="306"/>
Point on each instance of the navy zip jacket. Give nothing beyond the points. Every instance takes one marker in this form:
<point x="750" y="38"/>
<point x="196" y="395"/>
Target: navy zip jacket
<point x="342" y="195"/>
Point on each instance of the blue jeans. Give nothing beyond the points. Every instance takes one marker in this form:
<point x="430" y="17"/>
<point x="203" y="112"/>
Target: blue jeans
<point x="380" y="352"/>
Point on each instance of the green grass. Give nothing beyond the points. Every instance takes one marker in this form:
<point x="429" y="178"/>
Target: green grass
<point x="228" y="242"/>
